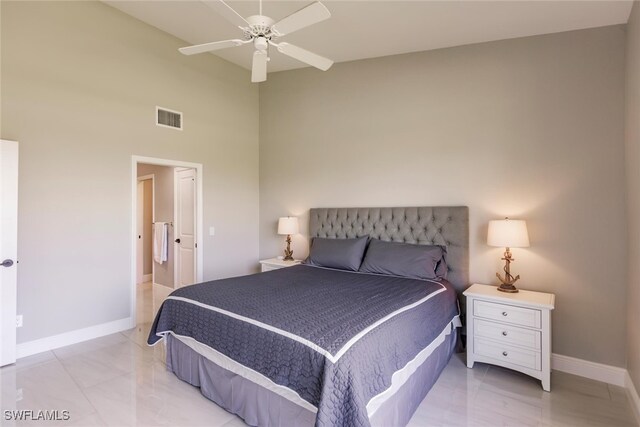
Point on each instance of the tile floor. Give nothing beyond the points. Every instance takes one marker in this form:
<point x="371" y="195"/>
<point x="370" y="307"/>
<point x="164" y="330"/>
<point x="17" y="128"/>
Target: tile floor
<point x="119" y="381"/>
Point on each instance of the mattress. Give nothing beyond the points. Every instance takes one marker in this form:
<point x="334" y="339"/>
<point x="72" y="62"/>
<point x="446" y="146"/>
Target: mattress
<point x="337" y="344"/>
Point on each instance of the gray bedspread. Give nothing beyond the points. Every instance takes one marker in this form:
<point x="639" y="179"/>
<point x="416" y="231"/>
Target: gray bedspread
<point x="334" y="337"/>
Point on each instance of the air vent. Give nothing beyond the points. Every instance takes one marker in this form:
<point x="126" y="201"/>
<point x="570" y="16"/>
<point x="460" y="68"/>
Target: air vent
<point x="168" y="118"/>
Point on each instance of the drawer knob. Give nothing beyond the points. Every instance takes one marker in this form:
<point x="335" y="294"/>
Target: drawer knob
<point x="504" y="333"/>
<point x="504" y="313"/>
<point x="504" y="353"/>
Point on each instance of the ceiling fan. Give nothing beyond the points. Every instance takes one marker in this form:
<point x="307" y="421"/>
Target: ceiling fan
<point x="262" y="30"/>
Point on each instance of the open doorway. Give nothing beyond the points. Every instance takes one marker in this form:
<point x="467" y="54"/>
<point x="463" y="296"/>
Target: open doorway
<point x="167" y="223"/>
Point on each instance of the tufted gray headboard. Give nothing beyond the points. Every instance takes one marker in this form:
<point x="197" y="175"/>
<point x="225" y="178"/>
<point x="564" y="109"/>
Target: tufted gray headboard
<point x="439" y="225"/>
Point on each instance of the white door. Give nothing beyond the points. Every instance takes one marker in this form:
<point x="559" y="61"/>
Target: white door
<point x="139" y="234"/>
<point x="8" y="249"/>
<point x="185" y="227"/>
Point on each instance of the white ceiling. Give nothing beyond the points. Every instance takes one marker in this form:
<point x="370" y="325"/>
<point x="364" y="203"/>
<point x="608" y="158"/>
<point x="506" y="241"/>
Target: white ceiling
<point x="367" y="29"/>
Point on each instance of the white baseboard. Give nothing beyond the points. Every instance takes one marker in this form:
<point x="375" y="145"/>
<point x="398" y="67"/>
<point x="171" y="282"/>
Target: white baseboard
<point x="56" y="341"/>
<point x="633" y="397"/>
<point x="164" y="286"/>
<point x="595" y="371"/>
<point x="584" y="368"/>
<point x="145" y="278"/>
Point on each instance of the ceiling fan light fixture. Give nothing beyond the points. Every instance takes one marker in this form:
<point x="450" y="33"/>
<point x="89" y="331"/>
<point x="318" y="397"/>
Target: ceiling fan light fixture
<point x="260" y="43"/>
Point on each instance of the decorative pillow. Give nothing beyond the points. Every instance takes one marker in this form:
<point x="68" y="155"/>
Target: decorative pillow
<point x="405" y="259"/>
<point x="344" y="254"/>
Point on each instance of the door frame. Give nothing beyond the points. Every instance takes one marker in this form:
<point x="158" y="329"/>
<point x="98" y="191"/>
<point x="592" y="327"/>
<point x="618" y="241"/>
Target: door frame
<point x="135" y="160"/>
<point x="151" y="177"/>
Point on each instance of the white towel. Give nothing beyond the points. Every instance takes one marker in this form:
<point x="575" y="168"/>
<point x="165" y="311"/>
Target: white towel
<point x="161" y="242"/>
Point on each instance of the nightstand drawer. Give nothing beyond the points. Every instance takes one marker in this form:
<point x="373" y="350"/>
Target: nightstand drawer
<point x="507" y="334"/>
<point x="508" y="313"/>
<point x="509" y="354"/>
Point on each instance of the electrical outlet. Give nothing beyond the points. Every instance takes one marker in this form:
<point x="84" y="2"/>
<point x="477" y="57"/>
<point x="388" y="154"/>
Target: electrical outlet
<point x="19" y="321"/>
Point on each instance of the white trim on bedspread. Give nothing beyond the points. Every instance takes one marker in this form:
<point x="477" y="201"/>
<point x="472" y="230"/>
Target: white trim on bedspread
<point x="398" y="379"/>
<point x="304" y="341"/>
<point x="229" y="364"/>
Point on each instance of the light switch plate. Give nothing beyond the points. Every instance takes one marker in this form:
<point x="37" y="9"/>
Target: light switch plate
<point x="212" y="231"/>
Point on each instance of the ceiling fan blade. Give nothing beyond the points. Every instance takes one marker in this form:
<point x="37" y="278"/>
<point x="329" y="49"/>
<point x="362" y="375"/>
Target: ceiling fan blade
<point x="209" y="47"/>
<point x="305" y="56"/>
<point x="312" y="14"/>
<point x="227" y="12"/>
<point x="259" y="68"/>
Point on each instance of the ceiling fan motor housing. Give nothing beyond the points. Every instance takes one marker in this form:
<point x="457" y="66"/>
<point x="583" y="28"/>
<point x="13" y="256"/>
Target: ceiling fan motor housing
<point x="260" y="26"/>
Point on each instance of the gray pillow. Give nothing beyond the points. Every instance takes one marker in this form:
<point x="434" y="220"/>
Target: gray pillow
<point x="344" y="254"/>
<point x="442" y="269"/>
<point x="405" y="259"/>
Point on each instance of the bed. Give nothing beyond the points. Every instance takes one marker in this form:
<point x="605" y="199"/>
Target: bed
<point x="311" y="345"/>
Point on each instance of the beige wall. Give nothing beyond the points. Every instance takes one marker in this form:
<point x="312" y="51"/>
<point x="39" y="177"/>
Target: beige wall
<point x="532" y="128"/>
<point x="164" y="201"/>
<point x="80" y="82"/>
<point x="633" y="192"/>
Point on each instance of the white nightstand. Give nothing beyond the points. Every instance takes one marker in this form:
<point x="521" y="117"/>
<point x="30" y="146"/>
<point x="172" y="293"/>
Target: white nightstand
<point x="510" y="330"/>
<point x="275" y="264"/>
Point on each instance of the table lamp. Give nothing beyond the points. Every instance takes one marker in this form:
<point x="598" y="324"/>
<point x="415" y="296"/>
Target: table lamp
<point x="508" y="233"/>
<point x="288" y="225"/>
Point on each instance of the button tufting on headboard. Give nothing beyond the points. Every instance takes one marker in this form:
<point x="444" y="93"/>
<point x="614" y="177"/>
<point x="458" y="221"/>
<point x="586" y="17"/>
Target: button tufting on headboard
<point x="440" y="225"/>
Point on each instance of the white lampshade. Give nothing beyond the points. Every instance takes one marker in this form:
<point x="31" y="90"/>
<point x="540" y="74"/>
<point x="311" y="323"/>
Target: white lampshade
<point x="508" y="233"/>
<point x="288" y="225"/>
